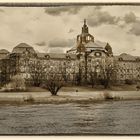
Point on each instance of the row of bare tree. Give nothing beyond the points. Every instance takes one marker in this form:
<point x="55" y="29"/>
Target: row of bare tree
<point x="54" y="82"/>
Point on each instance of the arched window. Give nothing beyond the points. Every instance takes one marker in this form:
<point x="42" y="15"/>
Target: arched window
<point x="120" y="59"/>
<point x="68" y="57"/>
<point x="47" y="57"/>
<point x="98" y="54"/>
<point x="122" y="75"/>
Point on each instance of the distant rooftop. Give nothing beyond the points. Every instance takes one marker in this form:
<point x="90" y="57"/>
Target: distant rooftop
<point x="4" y="51"/>
<point x="56" y="55"/>
<point x="126" y="57"/>
<point x="97" y="45"/>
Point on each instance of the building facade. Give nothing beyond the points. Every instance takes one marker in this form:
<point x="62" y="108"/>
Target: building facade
<point x="89" y="61"/>
<point x="127" y="68"/>
<point x="35" y="67"/>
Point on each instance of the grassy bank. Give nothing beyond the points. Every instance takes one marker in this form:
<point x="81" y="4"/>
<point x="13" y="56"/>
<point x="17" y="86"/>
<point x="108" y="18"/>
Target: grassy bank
<point x="87" y="88"/>
<point x="66" y="97"/>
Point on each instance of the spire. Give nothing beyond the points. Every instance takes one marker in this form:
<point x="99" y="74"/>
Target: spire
<point x="85" y="27"/>
<point x="84" y="21"/>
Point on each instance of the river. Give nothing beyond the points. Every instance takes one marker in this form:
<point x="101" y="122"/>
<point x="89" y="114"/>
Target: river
<point x="107" y="117"/>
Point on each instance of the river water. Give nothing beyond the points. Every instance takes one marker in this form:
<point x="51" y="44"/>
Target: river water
<point x="108" y="117"/>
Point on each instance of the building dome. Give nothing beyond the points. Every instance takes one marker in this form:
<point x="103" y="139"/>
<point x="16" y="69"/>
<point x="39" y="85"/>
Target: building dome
<point x="22" y="47"/>
<point x="4" y="51"/>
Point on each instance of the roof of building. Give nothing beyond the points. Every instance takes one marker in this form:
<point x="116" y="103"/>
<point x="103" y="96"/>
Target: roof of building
<point x="4" y="51"/>
<point x="72" y="49"/>
<point x="20" y="48"/>
<point x="25" y="45"/>
<point x="56" y="55"/>
<point x="97" y="45"/>
<point x="126" y="57"/>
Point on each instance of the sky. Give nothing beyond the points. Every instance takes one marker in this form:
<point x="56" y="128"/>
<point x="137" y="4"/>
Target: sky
<point x="54" y="29"/>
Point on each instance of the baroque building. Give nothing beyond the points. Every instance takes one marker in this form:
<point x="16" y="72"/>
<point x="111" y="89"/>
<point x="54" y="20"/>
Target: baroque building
<point x="94" y="56"/>
<point x="89" y="61"/>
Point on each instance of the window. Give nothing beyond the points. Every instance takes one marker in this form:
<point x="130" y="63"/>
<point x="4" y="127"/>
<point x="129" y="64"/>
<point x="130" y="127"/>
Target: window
<point x="68" y="58"/>
<point x="98" y="54"/>
<point x="89" y="60"/>
<point x="121" y="75"/>
<point x="120" y="59"/>
<point x="47" y="56"/>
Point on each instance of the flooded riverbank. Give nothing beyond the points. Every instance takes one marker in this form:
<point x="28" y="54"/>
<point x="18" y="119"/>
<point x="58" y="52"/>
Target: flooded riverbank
<point x="107" y="117"/>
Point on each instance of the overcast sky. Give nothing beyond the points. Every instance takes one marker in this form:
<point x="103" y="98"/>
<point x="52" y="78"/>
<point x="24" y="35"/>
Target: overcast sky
<point x="55" y="29"/>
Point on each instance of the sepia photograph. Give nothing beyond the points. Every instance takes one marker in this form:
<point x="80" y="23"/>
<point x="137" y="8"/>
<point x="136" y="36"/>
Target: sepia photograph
<point x="70" y="69"/>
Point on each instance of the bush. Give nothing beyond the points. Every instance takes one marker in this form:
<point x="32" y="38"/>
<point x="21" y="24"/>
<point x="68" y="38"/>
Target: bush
<point x="105" y="83"/>
<point x="17" y="84"/>
<point x="28" y="99"/>
<point x="107" y="96"/>
<point x="128" y="82"/>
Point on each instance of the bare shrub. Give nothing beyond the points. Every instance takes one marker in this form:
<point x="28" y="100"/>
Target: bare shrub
<point x="17" y="84"/>
<point x="128" y="82"/>
<point x="107" y="96"/>
<point x="28" y="99"/>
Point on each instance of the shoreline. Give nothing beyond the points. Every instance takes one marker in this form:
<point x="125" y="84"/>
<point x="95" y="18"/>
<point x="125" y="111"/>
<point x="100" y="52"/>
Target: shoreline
<point x="18" y="98"/>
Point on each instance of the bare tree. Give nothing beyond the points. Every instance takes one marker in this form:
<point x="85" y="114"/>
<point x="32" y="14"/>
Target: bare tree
<point x="37" y="72"/>
<point x="108" y="73"/>
<point x="54" y="83"/>
<point x="17" y="83"/>
<point x="93" y="78"/>
<point x="78" y="76"/>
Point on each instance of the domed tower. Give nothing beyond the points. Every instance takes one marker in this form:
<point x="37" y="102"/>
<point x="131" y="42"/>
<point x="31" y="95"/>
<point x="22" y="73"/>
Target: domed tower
<point x="86" y="43"/>
<point x="85" y="37"/>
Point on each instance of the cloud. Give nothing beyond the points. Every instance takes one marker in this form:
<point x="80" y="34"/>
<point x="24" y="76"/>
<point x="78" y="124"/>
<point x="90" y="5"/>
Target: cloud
<point x="56" y="11"/>
<point x="43" y="43"/>
<point x="58" y="42"/>
<point x="56" y="50"/>
<point x="130" y="17"/>
<point x="135" y="29"/>
<point x="99" y="17"/>
<point x="71" y="30"/>
<point x="60" y="45"/>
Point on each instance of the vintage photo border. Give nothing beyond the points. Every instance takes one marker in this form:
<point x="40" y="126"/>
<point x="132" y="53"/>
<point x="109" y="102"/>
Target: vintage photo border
<point x="50" y="4"/>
